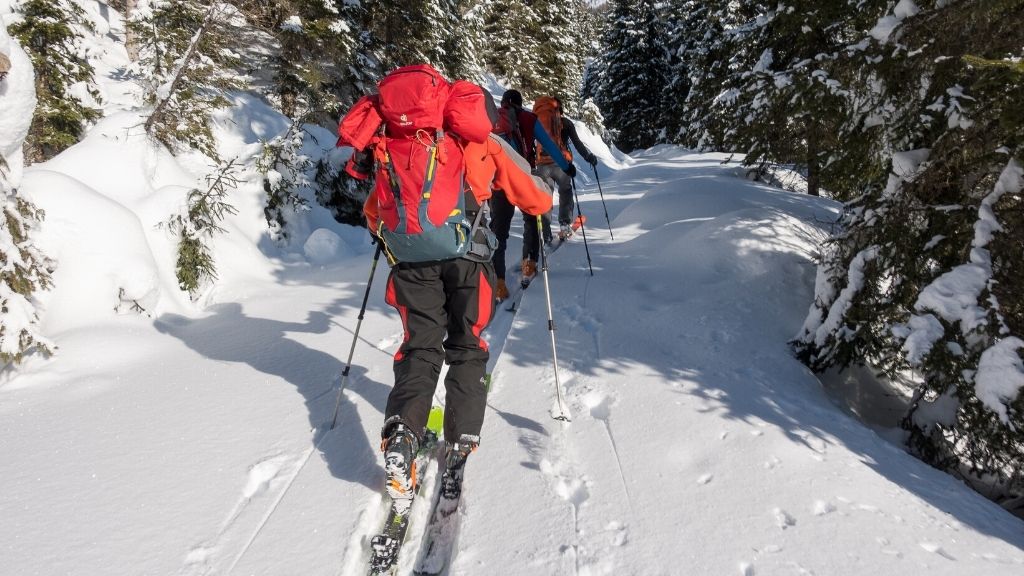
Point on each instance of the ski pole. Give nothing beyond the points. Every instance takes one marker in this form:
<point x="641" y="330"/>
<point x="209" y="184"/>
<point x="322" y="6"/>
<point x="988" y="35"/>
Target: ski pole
<point x="606" y="218"/>
<point x="583" y="228"/>
<point x="563" y="414"/>
<point x="355" y="336"/>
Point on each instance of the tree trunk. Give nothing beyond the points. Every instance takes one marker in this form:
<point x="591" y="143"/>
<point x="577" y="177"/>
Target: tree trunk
<point x="813" y="170"/>
<point x="185" y="62"/>
<point x="131" y="43"/>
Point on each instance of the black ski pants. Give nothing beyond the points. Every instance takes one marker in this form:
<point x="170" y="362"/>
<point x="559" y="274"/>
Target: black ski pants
<point x="502" y="212"/>
<point x="444" y="306"/>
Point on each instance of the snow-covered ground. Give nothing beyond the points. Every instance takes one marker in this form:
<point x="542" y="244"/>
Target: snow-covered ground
<point x="190" y="439"/>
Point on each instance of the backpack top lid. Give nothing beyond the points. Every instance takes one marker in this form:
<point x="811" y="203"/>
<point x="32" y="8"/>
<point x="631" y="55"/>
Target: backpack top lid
<point x="413" y="98"/>
<point x="545" y="107"/>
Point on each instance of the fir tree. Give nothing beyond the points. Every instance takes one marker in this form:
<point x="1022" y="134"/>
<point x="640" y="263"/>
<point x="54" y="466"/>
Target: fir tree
<point x="283" y="167"/>
<point x="320" y="67"/>
<point x="634" y="75"/>
<point x="186" y="61"/>
<point x="920" y="279"/>
<point x="51" y="32"/>
<point x="401" y="32"/>
<point x="562" y="48"/>
<point x="684" y="20"/>
<point x="24" y="272"/>
<point x="511" y="51"/>
<point x="204" y="210"/>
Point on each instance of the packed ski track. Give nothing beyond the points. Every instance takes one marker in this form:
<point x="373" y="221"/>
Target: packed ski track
<point x="697" y="445"/>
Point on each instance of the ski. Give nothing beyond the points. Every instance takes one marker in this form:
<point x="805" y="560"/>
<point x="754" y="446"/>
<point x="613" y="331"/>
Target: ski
<point x="517" y="294"/>
<point x="439" y="540"/>
<point x="517" y="291"/>
<point x="386" y="546"/>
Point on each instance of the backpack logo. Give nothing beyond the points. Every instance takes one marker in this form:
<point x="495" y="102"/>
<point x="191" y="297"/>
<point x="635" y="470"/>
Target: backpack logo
<point x="404" y="120"/>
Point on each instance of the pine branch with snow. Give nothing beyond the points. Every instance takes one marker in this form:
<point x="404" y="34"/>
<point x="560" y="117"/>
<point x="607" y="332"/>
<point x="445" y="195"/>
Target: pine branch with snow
<point x="204" y="211"/>
<point x="188" y="65"/>
<point x="52" y="33"/>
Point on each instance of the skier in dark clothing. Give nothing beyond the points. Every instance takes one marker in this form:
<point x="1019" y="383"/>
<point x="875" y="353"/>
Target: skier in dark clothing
<point x="553" y="167"/>
<point x="521" y="129"/>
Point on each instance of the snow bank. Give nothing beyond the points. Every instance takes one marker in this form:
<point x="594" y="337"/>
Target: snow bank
<point x="104" y="265"/>
<point x="17" y="103"/>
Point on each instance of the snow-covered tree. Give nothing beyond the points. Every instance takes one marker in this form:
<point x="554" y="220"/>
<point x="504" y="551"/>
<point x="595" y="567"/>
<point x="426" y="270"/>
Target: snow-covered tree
<point x="24" y="270"/>
<point x="923" y="279"/>
<point x="563" y="44"/>
<point x="320" y="66"/>
<point x="205" y="209"/>
<point x="187" y="63"/>
<point x="454" y="27"/>
<point x="283" y="167"/>
<point x="511" y="50"/>
<point x="686" y="42"/>
<point x="634" y="74"/>
<point x="790" y="93"/>
<point x="51" y="32"/>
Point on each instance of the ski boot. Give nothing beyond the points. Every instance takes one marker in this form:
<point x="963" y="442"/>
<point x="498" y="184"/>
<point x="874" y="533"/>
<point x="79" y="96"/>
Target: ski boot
<point x="455" y="464"/>
<point x="399" y="446"/>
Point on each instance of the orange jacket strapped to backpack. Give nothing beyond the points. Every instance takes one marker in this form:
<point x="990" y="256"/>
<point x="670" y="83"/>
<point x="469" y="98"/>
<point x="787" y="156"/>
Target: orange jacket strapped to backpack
<point x="550" y="116"/>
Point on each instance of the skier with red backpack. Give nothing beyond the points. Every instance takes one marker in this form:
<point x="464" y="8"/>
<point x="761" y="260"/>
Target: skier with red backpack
<point x="436" y="160"/>
<point x="522" y="130"/>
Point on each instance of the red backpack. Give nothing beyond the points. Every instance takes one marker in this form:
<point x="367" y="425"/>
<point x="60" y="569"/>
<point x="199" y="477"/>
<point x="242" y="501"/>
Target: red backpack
<point x="416" y="126"/>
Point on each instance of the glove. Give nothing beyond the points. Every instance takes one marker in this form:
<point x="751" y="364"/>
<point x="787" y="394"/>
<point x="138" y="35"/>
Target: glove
<point x="360" y="165"/>
<point x="592" y="160"/>
<point x="571" y="171"/>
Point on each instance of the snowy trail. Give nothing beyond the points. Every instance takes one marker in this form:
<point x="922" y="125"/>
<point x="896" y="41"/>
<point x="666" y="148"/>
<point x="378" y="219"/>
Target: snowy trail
<point x="631" y="487"/>
<point x="186" y="444"/>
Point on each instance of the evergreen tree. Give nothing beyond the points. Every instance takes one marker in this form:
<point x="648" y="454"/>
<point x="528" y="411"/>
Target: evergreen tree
<point x="685" y="39"/>
<point x="187" y="64"/>
<point x="562" y="48"/>
<point x="318" y="69"/>
<point x="511" y="51"/>
<point x="24" y="272"/>
<point x="24" y="269"/>
<point x="449" y="47"/>
<point x="51" y="32"/>
<point x="921" y="279"/>
<point x="634" y="65"/>
<point x="401" y="32"/>
<point x="283" y="167"/>
<point x="710" y="76"/>
<point x="204" y="210"/>
<point x="790" y="97"/>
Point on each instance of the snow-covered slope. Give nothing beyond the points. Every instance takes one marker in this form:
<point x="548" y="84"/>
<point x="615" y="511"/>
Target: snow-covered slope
<point x="190" y="438"/>
<point x="182" y="443"/>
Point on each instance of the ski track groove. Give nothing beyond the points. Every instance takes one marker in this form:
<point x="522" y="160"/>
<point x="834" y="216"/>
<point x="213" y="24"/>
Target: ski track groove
<point x="273" y="507"/>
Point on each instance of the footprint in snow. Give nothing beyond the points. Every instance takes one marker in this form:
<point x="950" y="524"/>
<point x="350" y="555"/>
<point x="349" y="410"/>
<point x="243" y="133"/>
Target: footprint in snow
<point x="573" y="490"/>
<point x="262" y="474"/>
<point x="936" y="549"/>
<point x="822" y="508"/>
<point x="619" y="533"/>
<point x="782" y="519"/>
<point x="599" y="404"/>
